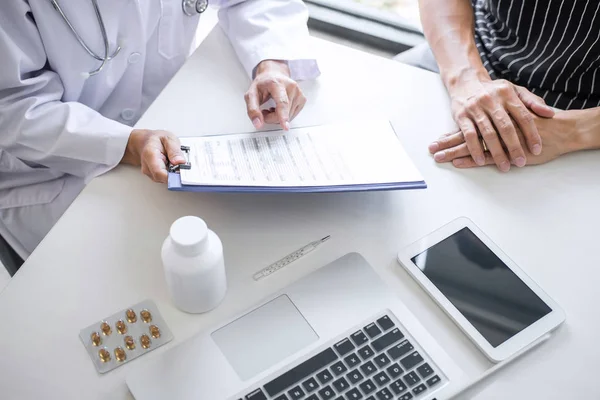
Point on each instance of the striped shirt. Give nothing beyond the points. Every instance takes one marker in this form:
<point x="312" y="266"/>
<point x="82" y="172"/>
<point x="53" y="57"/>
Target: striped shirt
<point x="552" y="47"/>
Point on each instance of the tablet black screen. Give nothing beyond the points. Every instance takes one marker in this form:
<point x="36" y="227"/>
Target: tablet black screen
<point x="489" y="295"/>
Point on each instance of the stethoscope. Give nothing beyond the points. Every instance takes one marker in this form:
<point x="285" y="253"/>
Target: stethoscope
<point x="193" y="7"/>
<point x="190" y="8"/>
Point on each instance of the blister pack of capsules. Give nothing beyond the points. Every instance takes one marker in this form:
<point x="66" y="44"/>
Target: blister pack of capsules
<point x="125" y="336"/>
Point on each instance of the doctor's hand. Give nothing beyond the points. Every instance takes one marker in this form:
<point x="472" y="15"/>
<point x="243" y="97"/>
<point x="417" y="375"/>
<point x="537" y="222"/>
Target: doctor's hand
<point x="273" y="81"/>
<point x="152" y="150"/>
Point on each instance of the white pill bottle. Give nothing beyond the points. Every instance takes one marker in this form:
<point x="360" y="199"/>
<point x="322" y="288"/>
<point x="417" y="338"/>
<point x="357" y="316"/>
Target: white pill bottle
<point x="192" y="257"/>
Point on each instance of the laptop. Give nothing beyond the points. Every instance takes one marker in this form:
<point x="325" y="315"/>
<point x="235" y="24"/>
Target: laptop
<point x="337" y="334"/>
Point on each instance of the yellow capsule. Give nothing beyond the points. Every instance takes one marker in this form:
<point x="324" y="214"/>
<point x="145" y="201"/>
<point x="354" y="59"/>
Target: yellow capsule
<point x="146" y="316"/>
<point x="104" y="355"/>
<point x="121" y="327"/>
<point x="145" y="341"/>
<point x="105" y="328"/>
<point x="96" y="339"/>
<point x="120" y="354"/>
<point x="131" y="316"/>
<point x="154" y="331"/>
<point x="129" y="342"/>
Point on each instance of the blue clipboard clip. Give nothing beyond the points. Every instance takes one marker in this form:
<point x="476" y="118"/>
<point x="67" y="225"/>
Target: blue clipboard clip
<point x="188" y="165"/>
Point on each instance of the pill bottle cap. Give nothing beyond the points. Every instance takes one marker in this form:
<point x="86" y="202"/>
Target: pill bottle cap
<point x="189" y="235"/>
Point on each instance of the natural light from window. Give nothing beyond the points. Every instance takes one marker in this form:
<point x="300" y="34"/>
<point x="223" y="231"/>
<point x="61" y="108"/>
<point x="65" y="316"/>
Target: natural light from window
<point x="406" y="8"/>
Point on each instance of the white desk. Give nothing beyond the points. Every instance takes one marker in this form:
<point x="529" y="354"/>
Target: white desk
<point x="103" y="255"/>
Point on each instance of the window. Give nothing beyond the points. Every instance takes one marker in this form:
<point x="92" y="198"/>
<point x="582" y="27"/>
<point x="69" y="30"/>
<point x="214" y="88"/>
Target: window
<point x="408" y="9"/>
<point x="390" y="25"/>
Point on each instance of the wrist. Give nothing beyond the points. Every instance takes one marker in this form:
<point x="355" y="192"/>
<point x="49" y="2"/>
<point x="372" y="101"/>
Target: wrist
<point x="457" y="77"/>
<point x="135" y="144"/>
<point x="269" y="65"/>
<point x="586" y="135"/>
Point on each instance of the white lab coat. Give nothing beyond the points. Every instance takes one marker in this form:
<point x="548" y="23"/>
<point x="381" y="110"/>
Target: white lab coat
<point x="58" y="130"/>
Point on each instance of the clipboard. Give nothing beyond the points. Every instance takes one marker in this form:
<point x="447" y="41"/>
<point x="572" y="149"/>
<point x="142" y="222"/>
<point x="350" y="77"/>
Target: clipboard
<point x="176" y="186"/>
<point x="318" y="159"/>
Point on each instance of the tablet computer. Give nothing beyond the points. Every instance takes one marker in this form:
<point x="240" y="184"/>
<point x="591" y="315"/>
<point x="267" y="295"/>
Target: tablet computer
<point x="493" y="301"/>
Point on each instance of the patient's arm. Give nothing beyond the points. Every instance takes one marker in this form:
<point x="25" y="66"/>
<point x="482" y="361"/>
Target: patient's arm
<point x="567" y="132"/>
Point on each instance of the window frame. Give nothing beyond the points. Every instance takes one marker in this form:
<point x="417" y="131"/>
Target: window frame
<point x="364" y="24"/>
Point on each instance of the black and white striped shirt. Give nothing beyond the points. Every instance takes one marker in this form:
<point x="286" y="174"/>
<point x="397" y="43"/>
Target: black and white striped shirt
<point x="552" y="47"/>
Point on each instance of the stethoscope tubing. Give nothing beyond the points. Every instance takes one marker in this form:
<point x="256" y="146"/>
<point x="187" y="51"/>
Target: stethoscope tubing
<point x="199" y="5"/>
<point x="59" y="9"/>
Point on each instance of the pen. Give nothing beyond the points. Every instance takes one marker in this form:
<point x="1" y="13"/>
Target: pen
<point x="290" y="258"/>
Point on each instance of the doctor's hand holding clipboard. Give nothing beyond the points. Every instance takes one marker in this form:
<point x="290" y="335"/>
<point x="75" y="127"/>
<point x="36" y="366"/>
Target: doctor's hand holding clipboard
<point x="153" y="150"/>
<point x="76" y="75"/>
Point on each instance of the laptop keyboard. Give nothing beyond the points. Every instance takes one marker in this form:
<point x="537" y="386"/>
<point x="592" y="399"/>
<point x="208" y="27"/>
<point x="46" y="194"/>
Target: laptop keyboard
<point x="377" y="362"/>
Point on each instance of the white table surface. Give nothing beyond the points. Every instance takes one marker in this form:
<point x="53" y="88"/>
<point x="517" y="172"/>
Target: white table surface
<point x="104" y="254"/>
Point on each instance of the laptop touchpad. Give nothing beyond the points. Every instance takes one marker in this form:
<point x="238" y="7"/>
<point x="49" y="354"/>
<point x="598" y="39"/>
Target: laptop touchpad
<point x="264" y="337"/>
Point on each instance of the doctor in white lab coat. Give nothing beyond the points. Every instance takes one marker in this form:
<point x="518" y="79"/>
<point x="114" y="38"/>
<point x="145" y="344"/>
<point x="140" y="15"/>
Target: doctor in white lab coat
<point x="59" y="128"/>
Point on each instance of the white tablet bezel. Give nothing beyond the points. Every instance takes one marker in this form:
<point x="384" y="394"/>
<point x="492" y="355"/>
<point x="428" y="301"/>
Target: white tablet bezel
<point x="511" y="346"/>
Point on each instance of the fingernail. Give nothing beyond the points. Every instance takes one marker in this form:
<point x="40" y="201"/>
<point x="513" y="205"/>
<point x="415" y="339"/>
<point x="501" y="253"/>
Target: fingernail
<point x="286" y="126"/>
<point x="434" y="147"/>
<point x="439" y="156"/>
<point x="520" y="162"/>
<point x="537" y="149"/>
<point x="459" y="162"/>
<point x="178" y="159"/>
<point x="504" y="166"/>
<point x="256" y="123"/>
<point x="480" y="160"/>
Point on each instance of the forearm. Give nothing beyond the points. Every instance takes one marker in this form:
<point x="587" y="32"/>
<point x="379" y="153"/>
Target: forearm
<point x="65" y="137"/>
<point x="270" y="30"/>
<point x="449" y="28"/>
<point x="43" y="131"/>
<point x="587" y="129"/>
